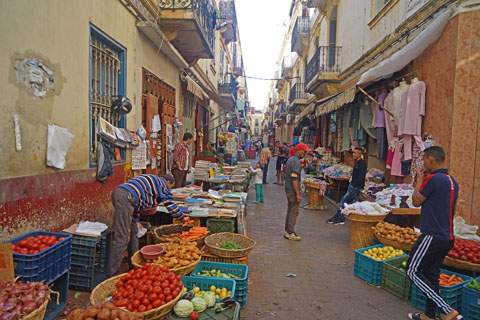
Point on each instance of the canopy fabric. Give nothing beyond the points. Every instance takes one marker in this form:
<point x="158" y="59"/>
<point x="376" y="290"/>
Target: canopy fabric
<point x="337" y="101"/>
<point x="307" y="110"/>
<point x="195" y="89"/>
<point x="401" y="58"/>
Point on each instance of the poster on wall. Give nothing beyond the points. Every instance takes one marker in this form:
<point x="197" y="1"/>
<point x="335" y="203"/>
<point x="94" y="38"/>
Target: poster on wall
<point x="414" y="5"/>
<point x="139" y="157"/>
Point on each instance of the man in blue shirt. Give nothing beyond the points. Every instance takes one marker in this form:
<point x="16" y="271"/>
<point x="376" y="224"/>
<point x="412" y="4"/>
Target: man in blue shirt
<point x="129" y="199"/>
<point x="437" y="193"/>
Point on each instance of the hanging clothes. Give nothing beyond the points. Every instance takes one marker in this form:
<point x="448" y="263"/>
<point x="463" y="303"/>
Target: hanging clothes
<point x="382" y="143"/>
<point x="366" y="119"/>
<point x="358" y="134"/>
<point x="417" y="159"/>
<point x="379" y="112"/>
<point x="398" y="95"/>
<point x="390" y="125"/>
<point x="105" y="154"/>
<point x="346" y="142"/>
<point x="413" y="108"/>
<point x="397" y="160"/>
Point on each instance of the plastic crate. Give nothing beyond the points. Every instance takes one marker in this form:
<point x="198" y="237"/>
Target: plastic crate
<point x="367" y="268"/>
<point x="209" y="314"/>
<point x="61" y="286"/>
<point x="216" y="225"/>
<point x="47" y="265"/>
<point x="470" y="302"/>
<point x="395" y="280"/>
<point x="206" y="256"/>
<point x="239" y="270"/>
<point x="241" y="299"/>
<point x="89" y="260"/>
<point x="452" y="295"/>
<point x="204" y="283"/>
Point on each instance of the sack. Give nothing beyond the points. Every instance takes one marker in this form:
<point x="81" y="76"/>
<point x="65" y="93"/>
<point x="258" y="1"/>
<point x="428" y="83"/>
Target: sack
<point x="464" y="231"/>
<point x="58" y="143"/>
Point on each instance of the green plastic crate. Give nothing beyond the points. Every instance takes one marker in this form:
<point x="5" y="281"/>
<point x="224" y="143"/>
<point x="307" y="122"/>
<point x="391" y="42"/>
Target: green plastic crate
<point x="395" y="280"/>
<point x="217" y="225"/>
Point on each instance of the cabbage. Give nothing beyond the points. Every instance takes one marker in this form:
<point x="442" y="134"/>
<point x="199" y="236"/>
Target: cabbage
<point x="199" y="304"/>
<point x="183" y="308"/>
<point x="209" y="298"/>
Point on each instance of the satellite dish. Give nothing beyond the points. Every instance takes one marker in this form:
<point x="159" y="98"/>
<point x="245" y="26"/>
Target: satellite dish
<point x="122" y="105"/>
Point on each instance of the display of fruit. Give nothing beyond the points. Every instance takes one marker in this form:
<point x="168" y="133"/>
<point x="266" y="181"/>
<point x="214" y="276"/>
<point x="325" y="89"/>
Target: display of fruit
<point x="216" y="274"/>
<point x="34" y="245"/>
<point x="178" y="255"/>
<point x="220" y="293"/>
<point x="106" y="311"/>
<point x="147" y="288"/>
<point x="382" y="253"/>
<point x="396" y="233"/>
<point x="19" y="299"/>
<point x="466" y="250"/>
<point x="475" y="285"/>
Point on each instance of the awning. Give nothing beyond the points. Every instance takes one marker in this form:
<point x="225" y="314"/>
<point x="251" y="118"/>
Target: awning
<point x="401" y="58"/>
<point x="309" y="109"/>
<point x="337" y="101"/>
<point x="195" y="89"/>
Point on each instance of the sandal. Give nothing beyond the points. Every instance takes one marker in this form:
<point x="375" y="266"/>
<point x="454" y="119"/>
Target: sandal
<point x="414" y="316"/>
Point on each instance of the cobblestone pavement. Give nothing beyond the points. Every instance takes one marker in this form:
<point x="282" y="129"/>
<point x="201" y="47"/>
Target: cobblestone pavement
<point x="325" y="286"/>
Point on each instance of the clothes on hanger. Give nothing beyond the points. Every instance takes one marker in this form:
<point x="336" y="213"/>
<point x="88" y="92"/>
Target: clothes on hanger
<point x="379" y="112"/>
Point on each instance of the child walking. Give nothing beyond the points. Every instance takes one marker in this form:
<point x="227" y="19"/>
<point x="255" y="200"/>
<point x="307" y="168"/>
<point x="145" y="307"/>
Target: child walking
<point x="258" y="172"/>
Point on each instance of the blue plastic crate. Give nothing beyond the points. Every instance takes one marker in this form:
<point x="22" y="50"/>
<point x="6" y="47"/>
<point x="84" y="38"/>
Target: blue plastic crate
<point x="241" y="299"/>
<point x="47" y="265"/>
<point x="470" y="302"/>
<point x="367" y="268"/>
<point x="61" y="286"/>
<point x="452" y="295"/>
<point x="204" y="283"/>
<point x="239" y="270"/>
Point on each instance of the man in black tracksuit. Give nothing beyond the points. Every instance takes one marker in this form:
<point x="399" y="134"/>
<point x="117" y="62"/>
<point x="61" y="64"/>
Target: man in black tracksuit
<point x="437" y="193"/>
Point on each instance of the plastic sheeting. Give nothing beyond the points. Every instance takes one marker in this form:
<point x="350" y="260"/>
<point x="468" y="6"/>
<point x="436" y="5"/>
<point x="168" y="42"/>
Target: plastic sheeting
<point x="401" y="58"/>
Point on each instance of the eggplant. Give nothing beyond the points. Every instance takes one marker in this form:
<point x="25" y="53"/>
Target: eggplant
<point x="188" y="296"/>
<point x="228" y="302"/>
<point x="218" y="310"/>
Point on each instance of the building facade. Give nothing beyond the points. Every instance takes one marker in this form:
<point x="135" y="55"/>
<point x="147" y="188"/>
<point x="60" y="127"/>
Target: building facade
<point x="180" y="64"/>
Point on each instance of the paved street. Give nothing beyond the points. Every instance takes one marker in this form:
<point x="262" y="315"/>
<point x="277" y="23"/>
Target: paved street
<point x="324" y="286"/>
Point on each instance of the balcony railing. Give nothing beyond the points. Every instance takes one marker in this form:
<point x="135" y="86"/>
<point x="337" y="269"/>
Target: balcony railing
<point x="326" y="59"/>
<point x="298" y="93"/>
<point x="228" y="15"/>
<point x="282" y="107"/>
<point x="300" y="30"/>
<point x="227" y="85"/>
<point x="204" y="11"/>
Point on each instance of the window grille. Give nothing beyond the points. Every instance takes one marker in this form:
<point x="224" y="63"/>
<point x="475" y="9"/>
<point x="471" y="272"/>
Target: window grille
<point x="106" y="83"/>
<point x="187" y="107"/>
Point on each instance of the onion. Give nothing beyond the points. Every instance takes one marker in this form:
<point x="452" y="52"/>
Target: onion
<point x="29" y="307"/>
<point x="14" y="291"/>
<point x="28" y="297"/>
<point x="7" y="316"/>
<point x="23" y="286"/>
<point x="41" y="293"/>
<point x="9" y="306"/>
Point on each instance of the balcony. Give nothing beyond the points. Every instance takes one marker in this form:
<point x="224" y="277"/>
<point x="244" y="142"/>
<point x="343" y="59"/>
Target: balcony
<point x="323" y="67"/>
<point x="228" y="21"/>
<point x="300" y="34"/>
<point x="287" y="67"/>
<point x="190" y="26"/>
<point x="317" y="3"/>
<point x="298" y="97"/>
<point x="227" y="89"/>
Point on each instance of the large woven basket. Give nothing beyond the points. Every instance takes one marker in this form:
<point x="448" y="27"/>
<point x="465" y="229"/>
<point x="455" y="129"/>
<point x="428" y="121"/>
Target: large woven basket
<point x="138" y="261"/>
<point x="168" y="229"/>
<point x="460" y="264"/>
<point x="361" y="235"/>
<point x="213" y="242"/>
<point x="103" y="291"/>
<point x="39" y="314"/>
<point x="396" y="244"/>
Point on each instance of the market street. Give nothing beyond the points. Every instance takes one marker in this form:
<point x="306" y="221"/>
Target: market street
<point x="325" y="286"/>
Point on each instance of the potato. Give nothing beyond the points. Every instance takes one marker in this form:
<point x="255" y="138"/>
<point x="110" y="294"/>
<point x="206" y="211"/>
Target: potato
<point x="103" y="314"/>
<point x="108" y="305"/>
<point x="91" y="312"/>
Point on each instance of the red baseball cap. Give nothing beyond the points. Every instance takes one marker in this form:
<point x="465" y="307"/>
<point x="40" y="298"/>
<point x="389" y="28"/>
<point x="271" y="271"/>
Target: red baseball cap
<point x="302" y="146"/>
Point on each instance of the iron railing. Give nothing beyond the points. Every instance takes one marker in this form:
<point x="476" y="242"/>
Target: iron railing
<point x="326" y="59"/>
<point x="227" y="10"/>
<point x="301" y="29"/>
<point x="205" y="13"/>
<point x="298" y="92"/>
<point x="282" y="107"/>
<point x="227" y="85"/>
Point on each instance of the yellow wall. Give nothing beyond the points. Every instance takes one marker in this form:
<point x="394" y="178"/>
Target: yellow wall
<point x="58" y="35"/>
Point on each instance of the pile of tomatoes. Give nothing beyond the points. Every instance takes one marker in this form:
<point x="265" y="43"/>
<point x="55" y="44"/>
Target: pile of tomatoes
<point x="147" y="288"/>
<point x="34" y="245"/>
<point x="466" y="250"/>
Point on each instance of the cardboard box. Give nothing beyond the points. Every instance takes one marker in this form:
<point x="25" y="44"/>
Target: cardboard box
<point x="7" y="267"/>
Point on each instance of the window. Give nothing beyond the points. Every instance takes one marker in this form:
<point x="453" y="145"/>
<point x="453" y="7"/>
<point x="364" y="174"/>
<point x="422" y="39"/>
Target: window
<point x="221" y="64"/>
<point x="332" y="36"/>
<point x="107" y="81"/>
<point x="256" y="131"/>
<point x="187" y="107"/>
<point x="379" y="4"/>
<point x="256" y="122"/>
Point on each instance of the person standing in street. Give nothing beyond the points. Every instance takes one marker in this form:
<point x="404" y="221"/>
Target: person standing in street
<point x="437" y="194"/>
<point x="280" y="153"/>
<point x="293" y="172"/>
<point x="265" y="156"/>
<point x="357" y="183"/>
<point x="258" y="182"/>
<point x="181" y="160"/>
<point x="129" y="199"/>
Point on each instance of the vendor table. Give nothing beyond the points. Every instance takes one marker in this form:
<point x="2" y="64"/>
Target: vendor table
<point x="361" y="235"/>
<point x="339" y="188"/>
<point x="408" y="211"/>
<point x="315" y="200"/>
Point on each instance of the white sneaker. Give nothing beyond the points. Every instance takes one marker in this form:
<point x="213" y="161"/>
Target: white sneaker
<point x="292" y="236"/>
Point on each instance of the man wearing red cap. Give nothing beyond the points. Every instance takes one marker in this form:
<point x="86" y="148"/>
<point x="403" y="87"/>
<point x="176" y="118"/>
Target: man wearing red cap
<point x="292" y="189"/>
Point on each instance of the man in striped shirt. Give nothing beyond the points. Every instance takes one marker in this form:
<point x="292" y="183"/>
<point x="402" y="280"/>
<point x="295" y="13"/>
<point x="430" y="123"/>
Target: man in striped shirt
<point x="129" y="199"/>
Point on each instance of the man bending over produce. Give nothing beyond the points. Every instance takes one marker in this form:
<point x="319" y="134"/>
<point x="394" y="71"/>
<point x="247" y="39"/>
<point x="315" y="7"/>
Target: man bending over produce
<point x="437" y="194"/>
<point x="129" y="199"/>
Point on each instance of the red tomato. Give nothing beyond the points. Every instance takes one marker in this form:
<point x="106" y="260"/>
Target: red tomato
<point x="172" y="287"/>
<point x="136" y="304"/>
<point x="24" y="251"/>
<point x="142" y="308"/>
<point x="130" y="307"/>
<point x="22" y="243"/>
<point x="171" y="276"/>
<point x="167" y="292"/>
<point x="165" y="284"/>
<point x="152" y="296"/>
<point x="139" y="295"/>
<point x="179" y="278"/>
<point x="194" y="315"/>
<point x="157" y="303"/>
<point x="169" y="298"/>
<point x="145" y="302"/>
<point x="157" y="289"/>
<point x="122" y="303"/>
<point x="161" y="297"/>
<point x="149" y="307"/>
<point x="124" y="294"/>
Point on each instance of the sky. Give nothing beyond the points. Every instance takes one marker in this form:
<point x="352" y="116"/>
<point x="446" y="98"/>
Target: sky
<point x="262" y="25"/>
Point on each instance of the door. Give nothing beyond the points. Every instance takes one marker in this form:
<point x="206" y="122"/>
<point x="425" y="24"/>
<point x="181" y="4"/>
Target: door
<point x="152" y="137"/>
<point x="332" y="38"/>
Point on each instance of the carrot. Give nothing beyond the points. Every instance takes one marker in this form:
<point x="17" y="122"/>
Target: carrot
<point x="451" y="278"/>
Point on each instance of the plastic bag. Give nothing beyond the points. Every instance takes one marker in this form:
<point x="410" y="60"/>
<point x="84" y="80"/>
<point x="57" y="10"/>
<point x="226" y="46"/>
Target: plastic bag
<point x="58" y="143"/>
<point x="464" y="231"/>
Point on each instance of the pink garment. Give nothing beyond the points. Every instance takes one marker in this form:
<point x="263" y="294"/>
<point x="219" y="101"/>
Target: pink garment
<point x="389" y="122"/>
<point x="417" y="162"/>
<point x="379" y="112"/>
<point x="407" y="145"/>
<point x="389" y="158"/>
<point x="397" y="161"/>
<point x="413" y="108"/>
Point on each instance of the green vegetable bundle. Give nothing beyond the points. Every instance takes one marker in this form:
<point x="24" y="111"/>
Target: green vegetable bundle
<point x="230" y="245"/>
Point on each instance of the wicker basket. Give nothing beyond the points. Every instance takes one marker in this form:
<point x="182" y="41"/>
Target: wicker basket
<point x="213" y="242"/>
<point x="460" y="264"/>
<point x="102" y="292"/>
<point x="138" y="261"/>
<point x="39" y="314"/>
<point x="361" y="235"/>
<point x="398" y="245"/>
<point x="168" y="229"/>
